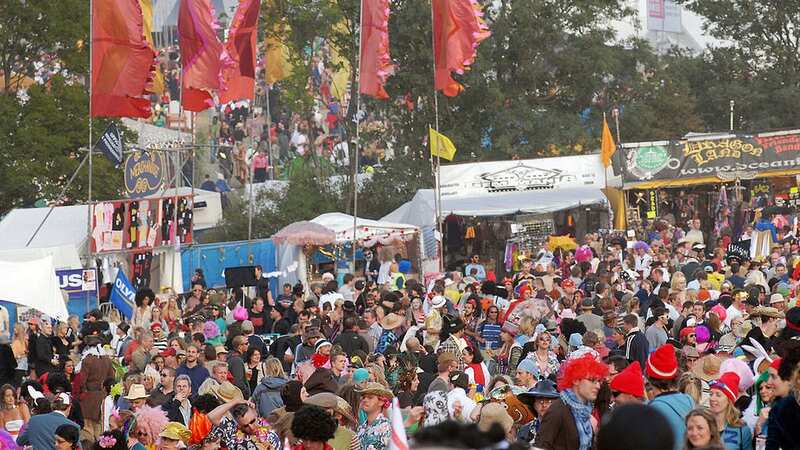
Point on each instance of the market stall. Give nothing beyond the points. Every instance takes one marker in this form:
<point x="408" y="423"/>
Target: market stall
<point x="488" y="207"/>
<point x="735" y="179"/>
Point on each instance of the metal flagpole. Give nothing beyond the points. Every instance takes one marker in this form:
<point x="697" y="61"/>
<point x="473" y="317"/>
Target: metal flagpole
<point x="58" y="200"/>
<point x="437" y="174"/>
<point x="91" y="150"/>
<point x="356" y="153"/>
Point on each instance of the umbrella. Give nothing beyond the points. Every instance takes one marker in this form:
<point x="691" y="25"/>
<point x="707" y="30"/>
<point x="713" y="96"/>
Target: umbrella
<point x="305" y="233"/>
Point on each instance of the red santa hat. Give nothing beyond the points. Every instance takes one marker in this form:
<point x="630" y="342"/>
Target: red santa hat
<point x="728" y="383"/>
<point x="629" y="381"/>
<point x="662" y="363"/>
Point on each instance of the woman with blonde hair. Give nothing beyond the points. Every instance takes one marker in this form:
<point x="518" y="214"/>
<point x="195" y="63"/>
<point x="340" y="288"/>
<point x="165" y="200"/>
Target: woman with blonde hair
<point x="678" y="282"/>
<point x="19" y="345"/>
<point x="376" y="374"/>
<point x="691" y="385"/>
<point x="702" y="431"/>
<point x="735" y="434"/>
<point x="171" y="313"/>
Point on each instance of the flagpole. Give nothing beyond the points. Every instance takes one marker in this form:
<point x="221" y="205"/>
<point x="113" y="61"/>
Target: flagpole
<point x="252" y="167"/>
<point x="437" y="174"/>
<point x="91" y="165"/>
<point x="358" y="135"/>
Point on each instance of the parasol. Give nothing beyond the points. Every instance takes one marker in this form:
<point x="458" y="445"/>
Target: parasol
<point x="305" y="233"/>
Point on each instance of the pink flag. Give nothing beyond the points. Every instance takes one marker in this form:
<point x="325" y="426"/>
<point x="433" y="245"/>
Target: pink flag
<point x="375" y="64"/>
<point x="202" y="54"/>
<point x="239" y="78"/>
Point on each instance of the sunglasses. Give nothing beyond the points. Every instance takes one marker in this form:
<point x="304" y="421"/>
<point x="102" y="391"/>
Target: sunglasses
<point x="142" y="433"/>
<point x="164" y="374"/>
<point x="248" y="424"/>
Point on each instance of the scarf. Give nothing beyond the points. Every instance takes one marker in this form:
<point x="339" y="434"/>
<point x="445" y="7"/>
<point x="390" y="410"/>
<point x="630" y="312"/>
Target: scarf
<point x="582" y="412"/>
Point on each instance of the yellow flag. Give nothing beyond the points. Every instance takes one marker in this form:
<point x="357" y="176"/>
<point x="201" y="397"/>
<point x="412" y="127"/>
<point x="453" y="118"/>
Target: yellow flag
<point x="607" y="145"/>
<point x="277" y="60"/>
<point x="147" y="16"/>
<point x="441" y="145"/>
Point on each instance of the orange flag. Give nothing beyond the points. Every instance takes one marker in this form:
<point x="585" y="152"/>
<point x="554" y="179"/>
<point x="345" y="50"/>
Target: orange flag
<point x="607" y="145"/>
<point x="458" y="28"/>
<point x="122" y="60"/>
<point x="239" y="79"/>
<point x="375" y="64"/>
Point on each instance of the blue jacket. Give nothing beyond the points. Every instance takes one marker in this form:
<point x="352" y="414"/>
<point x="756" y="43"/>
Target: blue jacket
<point x="737" y="438"/>
<point x="674" y="406"/>
<point x="41" y="430"/>
<point x="197" y="374"/>
<point x="267" y="395"/>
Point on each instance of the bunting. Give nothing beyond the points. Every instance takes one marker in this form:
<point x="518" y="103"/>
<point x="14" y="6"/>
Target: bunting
<point x="202" y="55"/>
<point x="122" y="60"/>
<point x="458" y="28"/>
<point x="239" y="78"/>
<point x="375" y="64"/>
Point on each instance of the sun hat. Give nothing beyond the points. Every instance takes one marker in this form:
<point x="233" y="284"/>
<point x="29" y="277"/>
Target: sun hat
<point x="662" y="363"/>
<point x="767" y="311"/>
<point x="542" y="389"/>
<point x="135" y="392"/>
<point x="629" y="381"/>
<point x="219" y="349"/>
<point x="328" y="400"/>
<point x="176" y="431"/>
<point x="728" y="383"/>
<point x="575" y="340"/>
<point x="776" y="298"/>
<point x="376" y="389"/>
<point x="727" y="343"/>
<point x="226" y="392"/>
<point x="494" y="413"/>
<point x="707" y="367"/>
<point x="391" y="321"/>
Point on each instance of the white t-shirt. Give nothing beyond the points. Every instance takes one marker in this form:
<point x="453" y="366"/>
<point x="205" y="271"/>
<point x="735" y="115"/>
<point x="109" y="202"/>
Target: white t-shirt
<point x="732" y="313"/>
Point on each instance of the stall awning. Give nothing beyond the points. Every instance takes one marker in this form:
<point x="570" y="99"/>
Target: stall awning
<point x="366" y="230"/>
<point x="421" y="211"/>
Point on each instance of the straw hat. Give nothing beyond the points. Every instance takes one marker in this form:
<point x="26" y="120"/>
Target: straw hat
<point x="176" y="431"/>
<point x="707" y="367"/>
<point x="494" y="413"/>
<point x="136" y="392"/>
<point x="391" y="321"/>
<point x="376" y="389"/>
<point x="226" y="392"/>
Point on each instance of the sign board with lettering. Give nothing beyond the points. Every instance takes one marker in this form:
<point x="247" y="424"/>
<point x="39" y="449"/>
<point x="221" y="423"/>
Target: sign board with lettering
<point x="725" y="157"/>
<point x="144" y="174"/>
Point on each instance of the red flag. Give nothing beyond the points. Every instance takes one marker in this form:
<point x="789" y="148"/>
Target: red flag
<point x="196" y="100"/>
<point x="202" y="54"/>
<point x="458" y="28"/>
<point x="239" y="79"/>
<point x="122" y="60"/>
<point x="375" y="64"/>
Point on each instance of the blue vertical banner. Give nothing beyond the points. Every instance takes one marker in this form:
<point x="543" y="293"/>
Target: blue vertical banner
<point x="123" y="295"/>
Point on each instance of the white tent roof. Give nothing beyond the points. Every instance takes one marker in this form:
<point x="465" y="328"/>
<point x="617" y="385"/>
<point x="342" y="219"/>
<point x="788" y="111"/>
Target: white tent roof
<point x="342" y="225"/>
<point x="421" y="211"/>
<point x="40" y="289"/>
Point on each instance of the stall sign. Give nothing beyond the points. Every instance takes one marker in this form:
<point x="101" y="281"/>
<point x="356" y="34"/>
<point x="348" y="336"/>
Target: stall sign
<point x="144" y="174"/>
<point x="720" y="157"/>
<point x="488" y="178"/>
<point x="652" y="204"/>
<point x="760" y="188"/>
<point x="789" y="200"/>
<point x="738" y="251"/>
<point x="77" y="282"/>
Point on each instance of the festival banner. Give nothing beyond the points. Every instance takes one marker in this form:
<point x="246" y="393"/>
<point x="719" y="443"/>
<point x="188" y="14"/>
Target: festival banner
<point x="77" y="282"/>
<point x="203" y="56"/>
<point x="725" y="157"/>
<point x="123" y="295"/>
<point x="458" y="29"/>
<point x="375" y="62"/>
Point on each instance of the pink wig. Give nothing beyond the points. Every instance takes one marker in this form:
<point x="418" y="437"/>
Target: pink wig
<point x="152" y="420"/>
<point x="583" y="254"/>
<point x="210" y="330"/>
<point x="239" y="313"/>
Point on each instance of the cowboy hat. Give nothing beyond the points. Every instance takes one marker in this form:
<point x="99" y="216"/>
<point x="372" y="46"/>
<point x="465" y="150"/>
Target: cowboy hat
<point x="391" y="321"/>
<point x="376" y="389"/>
<point x="707" y="367"/>
<point x="135" y="392"/>
<point x="226" y="392"/>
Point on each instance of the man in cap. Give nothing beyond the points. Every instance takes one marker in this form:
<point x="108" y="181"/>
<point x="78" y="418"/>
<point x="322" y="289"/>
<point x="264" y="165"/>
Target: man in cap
<point x="588" y="318"/>
<point x="628" y="385"/>
<point x="778" y="302"/>
<point x="766" y="319"/>
<point x="454" y="342"/>
<point x="525" y="376"/>
<point x="375" y="432"/>
<point x="662" y="372"/>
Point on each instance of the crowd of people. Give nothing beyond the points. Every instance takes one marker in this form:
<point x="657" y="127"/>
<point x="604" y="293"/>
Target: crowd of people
<point x="611" y="345"/>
